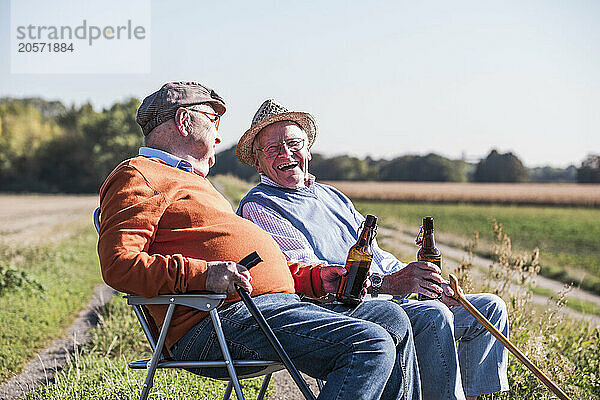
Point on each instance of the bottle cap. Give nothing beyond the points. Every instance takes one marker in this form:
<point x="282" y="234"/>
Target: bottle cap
<point x="428" y="223"/>
<point x="371" y="220"/>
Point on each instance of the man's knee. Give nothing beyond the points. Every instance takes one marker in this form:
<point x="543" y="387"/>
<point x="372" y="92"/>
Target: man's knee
<point x="440" y="315"/>
<point x="371" y="340"/>
<point x="386" y="314"/>
<point x="492" y="306"/>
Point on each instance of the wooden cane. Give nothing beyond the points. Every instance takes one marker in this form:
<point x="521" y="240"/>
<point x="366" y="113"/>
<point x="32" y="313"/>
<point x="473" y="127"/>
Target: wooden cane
<point x="460" y="297"/>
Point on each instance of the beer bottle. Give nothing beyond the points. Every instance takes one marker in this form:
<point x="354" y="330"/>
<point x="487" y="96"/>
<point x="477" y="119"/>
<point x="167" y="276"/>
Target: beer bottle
<point x="428" y="251"/>
<point x="358" y="264"/>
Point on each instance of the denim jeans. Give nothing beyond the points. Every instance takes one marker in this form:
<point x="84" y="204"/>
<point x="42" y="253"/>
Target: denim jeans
<point x="478" y="366"/>
<point x="363" y="352"/>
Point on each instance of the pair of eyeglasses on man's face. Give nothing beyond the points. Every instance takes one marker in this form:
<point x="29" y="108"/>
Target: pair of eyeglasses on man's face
<point x="214" y="118"/>
<point x="274" y="150"/>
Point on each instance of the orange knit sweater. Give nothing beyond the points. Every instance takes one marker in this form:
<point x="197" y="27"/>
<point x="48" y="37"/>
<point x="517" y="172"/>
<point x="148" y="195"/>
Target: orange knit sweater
<point x="159" y="227"/>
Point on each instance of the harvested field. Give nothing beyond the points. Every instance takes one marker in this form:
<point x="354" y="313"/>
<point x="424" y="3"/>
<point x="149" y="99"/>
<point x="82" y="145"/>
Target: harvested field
<point x="31" y="219"/>
<point x="566" y="194"/>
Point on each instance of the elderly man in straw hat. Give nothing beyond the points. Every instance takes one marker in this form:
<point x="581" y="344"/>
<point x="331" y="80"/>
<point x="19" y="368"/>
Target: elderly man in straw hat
<point x="316" y="223"/>
<point x="165" y="229"/>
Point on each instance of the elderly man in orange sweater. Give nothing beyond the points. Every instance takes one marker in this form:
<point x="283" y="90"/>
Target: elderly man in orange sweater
<point x="165" y="229"/>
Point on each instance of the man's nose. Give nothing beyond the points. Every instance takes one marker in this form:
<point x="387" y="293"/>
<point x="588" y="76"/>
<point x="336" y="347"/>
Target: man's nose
<point x="285" y="149"/>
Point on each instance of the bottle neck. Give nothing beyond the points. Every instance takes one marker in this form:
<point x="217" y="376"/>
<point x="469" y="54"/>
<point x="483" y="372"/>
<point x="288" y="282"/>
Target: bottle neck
<point x="366" y="236"/>
<point x="428" y="240"/>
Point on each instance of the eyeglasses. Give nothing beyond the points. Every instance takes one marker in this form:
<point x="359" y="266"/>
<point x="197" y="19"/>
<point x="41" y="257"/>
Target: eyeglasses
<point x="274" y="150"/>
<point x="214" y="118"/>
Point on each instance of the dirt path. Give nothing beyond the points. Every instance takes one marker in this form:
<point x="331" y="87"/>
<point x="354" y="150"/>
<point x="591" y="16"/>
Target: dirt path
<point x="41" y="370"/>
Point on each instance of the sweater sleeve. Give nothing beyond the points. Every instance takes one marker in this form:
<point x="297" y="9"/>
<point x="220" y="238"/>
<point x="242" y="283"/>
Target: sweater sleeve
<point x="307" y="279"/>
<point x="130" y="212"/>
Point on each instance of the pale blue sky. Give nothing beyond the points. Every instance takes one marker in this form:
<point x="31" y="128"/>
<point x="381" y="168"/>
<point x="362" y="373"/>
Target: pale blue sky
<point x="382" y="78"/>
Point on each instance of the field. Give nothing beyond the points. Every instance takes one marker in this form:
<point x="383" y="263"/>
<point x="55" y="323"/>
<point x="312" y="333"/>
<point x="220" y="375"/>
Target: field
<point x="32" y="219"/>
<point x="447" y="192"/>
<point x="60" y="257"/>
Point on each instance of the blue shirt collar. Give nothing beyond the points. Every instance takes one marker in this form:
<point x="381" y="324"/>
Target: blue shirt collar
<point x="169" y="158"/>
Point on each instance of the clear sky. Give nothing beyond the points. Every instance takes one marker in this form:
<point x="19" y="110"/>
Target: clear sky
<point x="382" y="78"/>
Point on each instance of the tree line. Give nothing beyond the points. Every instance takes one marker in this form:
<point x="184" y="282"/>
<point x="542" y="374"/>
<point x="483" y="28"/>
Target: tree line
<point x="46" y="146"/>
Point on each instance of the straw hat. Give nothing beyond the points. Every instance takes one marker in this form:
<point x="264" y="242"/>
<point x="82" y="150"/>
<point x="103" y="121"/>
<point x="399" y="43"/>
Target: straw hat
<point x="268" y="113"/>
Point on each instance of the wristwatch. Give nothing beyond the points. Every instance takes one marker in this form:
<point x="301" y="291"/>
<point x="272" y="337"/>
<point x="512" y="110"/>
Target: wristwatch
<point x="376" y="281"/>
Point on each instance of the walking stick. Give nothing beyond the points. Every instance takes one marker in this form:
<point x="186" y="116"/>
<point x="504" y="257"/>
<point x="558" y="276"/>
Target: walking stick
<point x="250" y="261"/>
<point x="460" y="297"/>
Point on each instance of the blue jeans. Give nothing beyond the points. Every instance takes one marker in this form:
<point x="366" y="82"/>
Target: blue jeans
<point x="478" y="366"/>
<point x="363" y="352"/>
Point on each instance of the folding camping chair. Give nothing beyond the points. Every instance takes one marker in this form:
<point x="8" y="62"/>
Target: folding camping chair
<point x="161" y="357"/>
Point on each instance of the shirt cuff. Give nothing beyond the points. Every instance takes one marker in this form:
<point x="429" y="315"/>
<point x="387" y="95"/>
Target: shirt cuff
<point x="197" y="273"/>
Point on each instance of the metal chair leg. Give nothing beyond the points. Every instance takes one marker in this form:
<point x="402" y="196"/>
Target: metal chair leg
<point x="225" y="350"/>
<point x="157" y="353"/>
<point x="228" y="390"/>
<point x="263" y="388"/>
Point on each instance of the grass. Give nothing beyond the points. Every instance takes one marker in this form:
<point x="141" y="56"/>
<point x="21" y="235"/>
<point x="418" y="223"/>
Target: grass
<point x="582" y="306"/>
<point x="567" y="351"/>
<point x="100" y="371"/>
<point x="32" y="316"/>
<point x="232" y="187"/>
<point x="567" y="237"/>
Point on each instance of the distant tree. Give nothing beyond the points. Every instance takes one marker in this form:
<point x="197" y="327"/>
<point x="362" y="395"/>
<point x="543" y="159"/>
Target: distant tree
<point x="340" y="168"/>
<point x="93" y="145"/>
<point x="24" y="129"/>
<point x="589" y="172"/>
<point x="115" y="136"/>
<point x="500" y="168"/>
<point x="432" y="168"/>
<point x="552" y="174"/>
<point x="227" y="163"/>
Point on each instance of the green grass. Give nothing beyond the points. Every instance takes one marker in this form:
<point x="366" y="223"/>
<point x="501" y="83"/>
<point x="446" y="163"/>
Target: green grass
<point x="232" y="187"/>
<point x="30" y="317"/>
<point x="568" y="238"/>
<point x="100" y="370"/>
<point x="582" y="306"/>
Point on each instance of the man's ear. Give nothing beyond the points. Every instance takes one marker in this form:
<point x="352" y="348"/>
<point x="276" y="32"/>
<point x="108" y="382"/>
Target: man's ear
<point x="308" y="154"/>
<point x="183" y="121"/>
<point x="256" y="164"/>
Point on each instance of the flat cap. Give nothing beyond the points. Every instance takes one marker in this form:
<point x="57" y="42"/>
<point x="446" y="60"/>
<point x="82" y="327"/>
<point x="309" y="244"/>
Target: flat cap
<point x="161" y="105"/>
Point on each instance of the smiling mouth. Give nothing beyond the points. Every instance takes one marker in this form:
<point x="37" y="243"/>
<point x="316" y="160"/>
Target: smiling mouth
<point x="287" y="166"/>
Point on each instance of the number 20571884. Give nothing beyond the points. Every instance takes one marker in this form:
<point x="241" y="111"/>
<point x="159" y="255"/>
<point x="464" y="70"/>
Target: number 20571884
<point x="43" y="47"/>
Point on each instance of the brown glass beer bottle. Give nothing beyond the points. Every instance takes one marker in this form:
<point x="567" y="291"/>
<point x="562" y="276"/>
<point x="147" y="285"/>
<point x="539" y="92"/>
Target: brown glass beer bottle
<point x="428" y="252"/>
<point x="358" y="264"/>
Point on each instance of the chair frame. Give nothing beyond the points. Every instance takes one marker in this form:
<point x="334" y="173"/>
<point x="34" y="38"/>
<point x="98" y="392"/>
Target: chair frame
<point x="203" y="302"/>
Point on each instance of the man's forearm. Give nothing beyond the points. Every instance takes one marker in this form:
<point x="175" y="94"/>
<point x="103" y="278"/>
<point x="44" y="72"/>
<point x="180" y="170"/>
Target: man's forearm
<point x="307" y="279"/>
